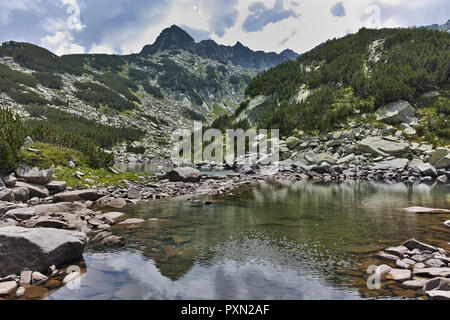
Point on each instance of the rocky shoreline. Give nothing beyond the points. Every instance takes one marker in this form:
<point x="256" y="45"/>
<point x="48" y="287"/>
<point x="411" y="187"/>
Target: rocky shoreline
<point x="418" y="267"/>
<point x="29" y="210"/>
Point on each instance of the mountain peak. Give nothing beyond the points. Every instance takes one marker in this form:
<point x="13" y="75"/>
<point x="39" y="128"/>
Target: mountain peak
<point x="173" y="37"/>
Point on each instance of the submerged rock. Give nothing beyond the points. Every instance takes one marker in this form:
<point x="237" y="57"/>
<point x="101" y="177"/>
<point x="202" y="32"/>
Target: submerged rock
<point x="38" y="249"/>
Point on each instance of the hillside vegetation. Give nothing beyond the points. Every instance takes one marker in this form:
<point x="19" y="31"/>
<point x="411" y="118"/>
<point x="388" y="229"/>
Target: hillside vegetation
<point x="358" y="73"/>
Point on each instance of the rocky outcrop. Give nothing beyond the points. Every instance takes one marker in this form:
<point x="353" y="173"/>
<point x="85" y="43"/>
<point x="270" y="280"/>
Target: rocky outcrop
<point x="396" y="113"/>
<point x="35" y="175"/>
<point x="185" y="174"/>
<point x="38" y="249"/>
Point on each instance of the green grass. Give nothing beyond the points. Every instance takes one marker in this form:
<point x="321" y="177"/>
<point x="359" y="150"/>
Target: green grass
<point x="49" y="155"/>
<point x="102" y="177"/>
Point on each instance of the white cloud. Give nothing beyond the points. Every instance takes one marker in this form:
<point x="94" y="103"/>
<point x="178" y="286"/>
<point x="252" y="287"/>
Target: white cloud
<point x="125" y="26"/>
<point x="62" y="43"/>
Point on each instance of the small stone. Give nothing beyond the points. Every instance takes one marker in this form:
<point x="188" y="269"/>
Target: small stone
<point x="25" y="277"/>
<point x="435" y="263"/>
<point x="387" y="256"/>
<point x="118" y="203"/>
<point x="70" y="277"/>
<point x="415" y="283"/>
<point x="398" y="251"/>
<point x="38" y="278"/>
<point x="402" y="264"/>
<point x="418" y="258"/>
<point x="132" y="221"/>
<point x="20" y="292"/>
<point x="399" y="275"/>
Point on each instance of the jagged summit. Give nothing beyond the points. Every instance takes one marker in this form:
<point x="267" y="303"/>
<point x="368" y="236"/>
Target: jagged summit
<point x="170" y="38"/>
<point x="175" y="37"/>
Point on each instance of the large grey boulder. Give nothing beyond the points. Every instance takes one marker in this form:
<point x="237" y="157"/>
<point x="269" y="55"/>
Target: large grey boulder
<point x="185" y="174"/>
<point x="34" y="174"/>
<point x="382" y="147"/>
<point x="35" y="190"/>
<point x="78" y="195"/>
<point x="38" y="249"/>
<point x="396" y="113"/>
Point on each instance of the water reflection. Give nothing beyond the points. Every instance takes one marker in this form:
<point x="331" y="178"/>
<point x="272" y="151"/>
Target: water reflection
<point x="272" y="240"/>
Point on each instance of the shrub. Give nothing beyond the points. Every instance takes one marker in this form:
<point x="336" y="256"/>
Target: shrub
<point x="12" y="136"/>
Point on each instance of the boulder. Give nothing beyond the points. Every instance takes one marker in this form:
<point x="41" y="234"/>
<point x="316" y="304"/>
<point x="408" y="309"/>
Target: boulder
<point x="6" y="195"/>
<point x="412" y="244"/>
<point x="21" y="194"/>
<point x="118" y="203"/>
<point x="321" y="158"/>
<point x="426" y="170"/>
<point x="399" y="275"/>
<point x="78" y="195"/>
<point x="443" y="163"/>
<point x="34" y="174"/>
<point x="28" y="142"/>
<point x="292" y="142"/>
<point x="438" y="288"/>
<point x="10" y="181"/>
<point x="185" y="174"/>
<point x="58" y="186"/>
<point x="397" y="112"/>
<point x="8" y="287"/>
<point x="34" y="189"/>
<point x="432" y="272"/>
<point x="382" y="147"/>
<point x="437" y="155"/>
<point x="347" y="159"/>
<point x="38" y="249"/>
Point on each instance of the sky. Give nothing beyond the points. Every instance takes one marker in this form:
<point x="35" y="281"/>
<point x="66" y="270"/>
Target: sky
<point x="125" y="26"/>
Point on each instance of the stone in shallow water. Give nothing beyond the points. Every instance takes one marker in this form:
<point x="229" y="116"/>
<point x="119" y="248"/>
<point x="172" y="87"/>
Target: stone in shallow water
<point x="388" y="256"/>
<point x="426" y="210"/>
<point x="132" y="221"/>
<point x="398" y="251"/>
<point x="412" y="244"/>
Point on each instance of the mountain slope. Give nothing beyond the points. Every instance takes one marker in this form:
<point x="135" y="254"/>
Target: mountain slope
<point x="442" y="27"/>
<point x="163" y="88"/>
<point x="355" y="74"/>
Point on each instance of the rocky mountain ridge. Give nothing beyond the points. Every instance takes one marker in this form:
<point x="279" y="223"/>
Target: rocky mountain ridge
<point x="155" y="93"/>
